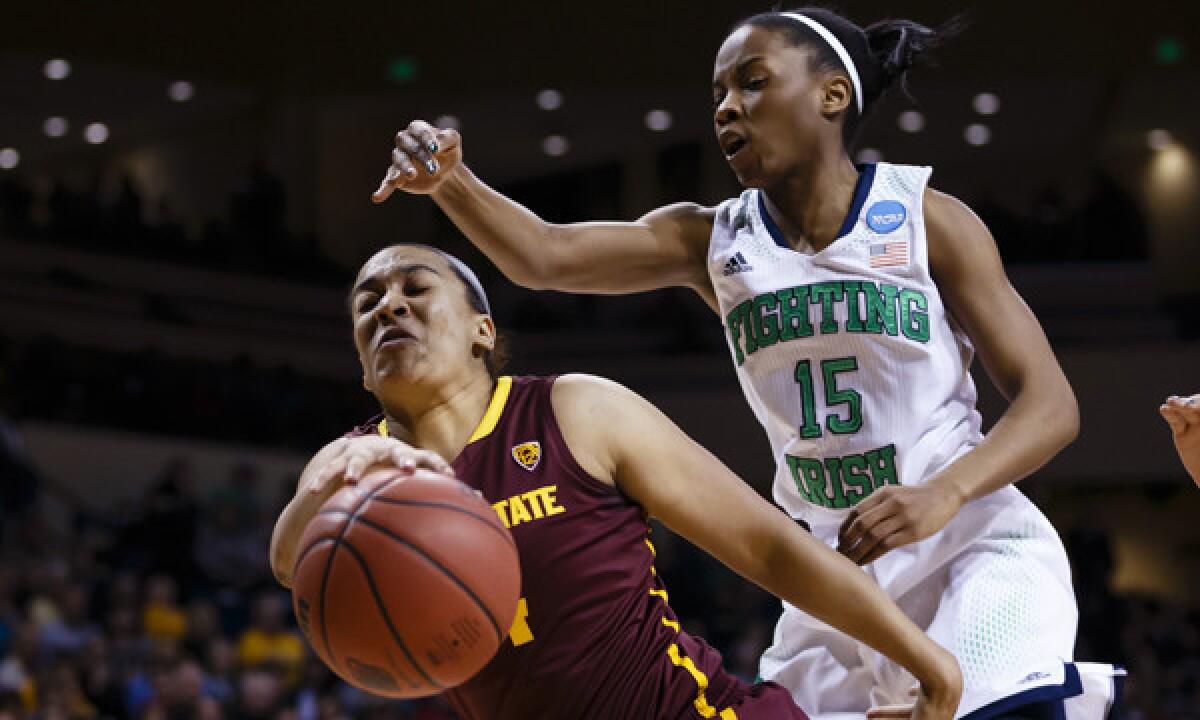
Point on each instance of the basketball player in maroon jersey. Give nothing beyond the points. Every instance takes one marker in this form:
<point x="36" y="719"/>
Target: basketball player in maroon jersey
<point x="575" y="466"/>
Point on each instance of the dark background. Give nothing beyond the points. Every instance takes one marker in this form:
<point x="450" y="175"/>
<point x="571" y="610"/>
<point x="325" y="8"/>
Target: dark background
<point x="173" y="342"/>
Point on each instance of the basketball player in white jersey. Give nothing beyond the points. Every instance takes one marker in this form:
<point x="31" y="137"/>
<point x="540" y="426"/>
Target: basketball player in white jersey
<point x="853" y="299"/>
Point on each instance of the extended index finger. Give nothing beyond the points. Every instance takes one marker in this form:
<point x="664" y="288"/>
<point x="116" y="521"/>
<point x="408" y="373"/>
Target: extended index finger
<point x="393" y="178"/>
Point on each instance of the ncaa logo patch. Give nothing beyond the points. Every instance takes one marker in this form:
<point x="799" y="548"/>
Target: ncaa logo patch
<point x="885" y="216"/>
<point x="528" y="454"/>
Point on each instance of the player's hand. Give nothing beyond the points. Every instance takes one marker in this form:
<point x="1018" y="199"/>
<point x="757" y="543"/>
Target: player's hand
<point x="421" y="161"/>
<point x="923" y="707"/>
<point x="356" y="455"/>
<point x="935" y="699"/>
<point x="894" y="516"/>
<point x="1183" y="415"/>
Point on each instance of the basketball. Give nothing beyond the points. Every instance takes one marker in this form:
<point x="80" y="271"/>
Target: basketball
<point x="405" y="586"/>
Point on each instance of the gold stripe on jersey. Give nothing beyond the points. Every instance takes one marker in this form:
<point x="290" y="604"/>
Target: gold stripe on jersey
<point x="680" y="660"/>
<point x="495" y="408"/>
<point x="491" y="416"/>
<point x="701" y="702"/>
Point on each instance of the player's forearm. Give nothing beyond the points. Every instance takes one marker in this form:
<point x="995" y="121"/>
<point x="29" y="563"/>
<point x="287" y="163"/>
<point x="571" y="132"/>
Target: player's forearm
<point x="515" y="239"/>
<point x="823" y="583"/>
<point x="1037" y="425"/>
<point x="298" y="513"/>
<point x="286" y="536"/>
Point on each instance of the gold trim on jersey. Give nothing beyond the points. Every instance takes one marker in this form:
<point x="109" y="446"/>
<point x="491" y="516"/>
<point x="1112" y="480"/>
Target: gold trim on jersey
<point x="491" y="416"/>
<point x="680" y="660"/>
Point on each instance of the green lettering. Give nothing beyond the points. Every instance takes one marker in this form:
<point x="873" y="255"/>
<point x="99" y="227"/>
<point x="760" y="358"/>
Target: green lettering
<point x="854" y="319"/>
<point x="733" y="322"/>
<point x="747" y="322"/>
<point x="882" y="464"/>
<point x="828" y="293"/>
<point x="915" y="322"/>
<point x="766" y="321"/>
<point x="858" y="482"/>
<point x="814" y="477"/>
<point x="881" y="308"/>
<point x="794" y="465"/>
<point x="833" y="467"/>
<point x="793" y="313"/>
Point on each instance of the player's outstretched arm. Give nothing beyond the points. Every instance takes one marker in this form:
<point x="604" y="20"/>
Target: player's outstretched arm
<point x="342" y="461"/>
<point x="1183" y="415"/>
<point x="616" y="435"/>
<point x="665" y="248"/>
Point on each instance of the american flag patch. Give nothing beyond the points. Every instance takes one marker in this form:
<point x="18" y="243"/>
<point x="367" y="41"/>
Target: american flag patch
<point x="889" y="254"/>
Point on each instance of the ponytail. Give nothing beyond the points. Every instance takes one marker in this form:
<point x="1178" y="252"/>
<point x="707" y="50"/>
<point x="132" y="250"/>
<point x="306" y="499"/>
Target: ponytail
<point x="896" y="46"/>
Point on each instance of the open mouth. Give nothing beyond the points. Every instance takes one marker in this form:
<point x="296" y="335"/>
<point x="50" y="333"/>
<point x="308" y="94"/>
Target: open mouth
<point x="394" y="336"/>
<point x="731" y="142"/>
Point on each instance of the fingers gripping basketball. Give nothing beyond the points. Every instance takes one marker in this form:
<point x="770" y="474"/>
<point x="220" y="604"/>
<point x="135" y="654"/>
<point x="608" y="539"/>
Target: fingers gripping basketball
<point x="406" y="585"/>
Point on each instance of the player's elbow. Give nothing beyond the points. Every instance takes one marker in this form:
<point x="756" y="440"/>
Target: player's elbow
<point x="1063" y="421"/>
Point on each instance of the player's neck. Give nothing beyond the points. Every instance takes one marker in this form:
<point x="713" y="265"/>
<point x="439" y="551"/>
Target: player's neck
<point x="810" y="205"/>
<point x="445" y="421"/>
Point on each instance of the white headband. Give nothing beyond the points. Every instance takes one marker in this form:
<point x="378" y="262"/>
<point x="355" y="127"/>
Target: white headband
<point x="838" y="48"/>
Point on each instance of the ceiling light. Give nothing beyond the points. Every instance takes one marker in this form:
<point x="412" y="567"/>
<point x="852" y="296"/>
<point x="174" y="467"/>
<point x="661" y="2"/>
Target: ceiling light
<point x="978" y="134"/>
<point x="555" y="145"/>
<point x="659" y="120"/>
<point x="911" y="121"/>
<point x="1159" y="139"/>
<point x="181" y="91"/>
<point x="986" y="103"/>
<point x="549" y="99"/>
<point x="57" y="69"/>
<point x="95" y="133"/>
<point x="868" y="156"/>
<point x="55" y="126"/>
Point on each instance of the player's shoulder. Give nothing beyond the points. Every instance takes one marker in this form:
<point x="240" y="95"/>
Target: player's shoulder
<point x="591" y="411"/>
<point x="576" y="393"/>
<point x="957" y="238"/>
<point x="682" y="212"/>
<point x="942" y="209"/>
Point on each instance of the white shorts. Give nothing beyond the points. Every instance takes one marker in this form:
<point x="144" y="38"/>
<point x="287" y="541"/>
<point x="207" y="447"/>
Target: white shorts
<point x="993" y="588"/>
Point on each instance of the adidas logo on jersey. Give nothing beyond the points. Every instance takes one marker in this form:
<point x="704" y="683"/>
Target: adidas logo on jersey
<point x="737" y="264"/>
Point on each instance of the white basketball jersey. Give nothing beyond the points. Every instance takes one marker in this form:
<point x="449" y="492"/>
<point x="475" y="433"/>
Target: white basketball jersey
<point x="847" y="356"/>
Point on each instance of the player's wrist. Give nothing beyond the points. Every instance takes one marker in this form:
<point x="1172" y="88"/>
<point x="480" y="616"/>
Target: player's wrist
<point x="453" y="185"/>
<point x="952" y="487"/>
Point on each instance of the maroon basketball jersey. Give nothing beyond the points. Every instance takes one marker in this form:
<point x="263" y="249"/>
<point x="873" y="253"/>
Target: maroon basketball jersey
<point x="594" y="636"/>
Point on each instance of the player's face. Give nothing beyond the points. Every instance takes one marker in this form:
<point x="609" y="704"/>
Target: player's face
<point x="767" y="105"/>
<point x="412" y="321"/>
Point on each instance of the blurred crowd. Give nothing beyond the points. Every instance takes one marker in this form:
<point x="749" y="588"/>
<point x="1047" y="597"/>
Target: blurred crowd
<point x="122" y="220"/>
<point x="166" y="609"/>
<point x="238" y="401"/>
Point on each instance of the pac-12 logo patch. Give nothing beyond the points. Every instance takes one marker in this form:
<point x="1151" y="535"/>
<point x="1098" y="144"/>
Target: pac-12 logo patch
<point x="885" y="216"/>
<point x="528" y="454"/>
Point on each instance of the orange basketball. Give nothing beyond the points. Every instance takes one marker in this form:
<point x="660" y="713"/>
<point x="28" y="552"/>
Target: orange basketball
<point x="406" y="585"/>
